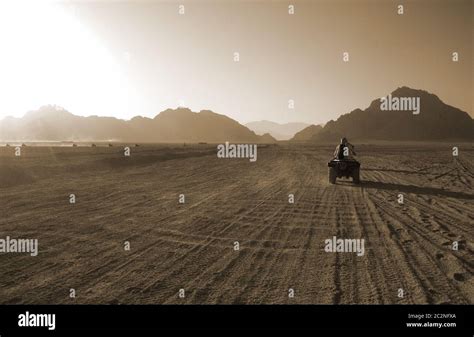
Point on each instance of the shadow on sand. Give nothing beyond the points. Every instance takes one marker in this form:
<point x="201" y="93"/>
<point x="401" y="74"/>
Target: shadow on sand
<point x="415" y="189"/>
<point x="390" y="170"/>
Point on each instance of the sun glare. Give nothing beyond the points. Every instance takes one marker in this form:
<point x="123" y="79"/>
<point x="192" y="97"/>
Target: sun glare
<point x="48" y="57"/>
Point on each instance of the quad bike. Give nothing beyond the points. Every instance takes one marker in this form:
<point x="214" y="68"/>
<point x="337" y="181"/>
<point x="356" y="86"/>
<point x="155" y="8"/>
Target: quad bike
<point x="338" y="168"/>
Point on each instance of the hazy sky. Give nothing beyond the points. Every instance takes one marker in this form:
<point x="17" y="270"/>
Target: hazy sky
<point x="138" y="58"/>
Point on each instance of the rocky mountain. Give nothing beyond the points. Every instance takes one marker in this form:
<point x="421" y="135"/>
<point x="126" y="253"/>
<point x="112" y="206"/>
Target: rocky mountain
<point x="435" y="121"/>
<point x="52" y="123"/>
<point x="307" y="133"/>
<point x="278" y="131"/>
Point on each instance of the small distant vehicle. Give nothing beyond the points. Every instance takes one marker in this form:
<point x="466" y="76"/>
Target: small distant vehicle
<point x="343" y="164"/>
<point x="338" y="168"/>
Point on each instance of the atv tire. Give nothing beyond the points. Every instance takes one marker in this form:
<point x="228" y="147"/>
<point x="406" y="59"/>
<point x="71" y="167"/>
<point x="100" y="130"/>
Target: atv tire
<point x="356" y="175"/>
<point x="332" y="175"/>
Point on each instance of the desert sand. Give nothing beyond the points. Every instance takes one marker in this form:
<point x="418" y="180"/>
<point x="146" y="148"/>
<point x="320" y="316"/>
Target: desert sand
<point x="190" y="246"/>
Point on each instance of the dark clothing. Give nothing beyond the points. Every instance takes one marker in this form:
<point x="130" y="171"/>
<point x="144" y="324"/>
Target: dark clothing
<point x="339" y="153"/>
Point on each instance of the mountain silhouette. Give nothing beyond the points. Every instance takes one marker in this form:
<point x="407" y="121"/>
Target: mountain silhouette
<point x="52" y="123"/>
<point x="307" y="133"/>
<point x="435" y="121"/>
<point x="278" y="131"/>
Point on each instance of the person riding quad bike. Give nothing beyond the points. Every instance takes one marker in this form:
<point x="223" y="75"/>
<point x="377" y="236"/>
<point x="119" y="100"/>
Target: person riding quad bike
<point x="343" y="164"/>
<point x="344" y="150"/>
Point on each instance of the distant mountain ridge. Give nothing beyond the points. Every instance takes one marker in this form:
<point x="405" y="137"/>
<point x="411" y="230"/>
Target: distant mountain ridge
<point x="52" y="123"/>
<point x="278" y="131"/>
<point x="307" y="133"/>
<point x="436" y="121"/>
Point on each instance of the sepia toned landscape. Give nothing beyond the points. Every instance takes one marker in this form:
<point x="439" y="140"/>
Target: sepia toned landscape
<point x="191" y="246"/>
<point x="237" y="152"/>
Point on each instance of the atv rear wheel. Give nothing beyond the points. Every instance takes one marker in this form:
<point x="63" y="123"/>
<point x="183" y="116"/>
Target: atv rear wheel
<point x="356" y="176"/>
<point x="332" y="175"/>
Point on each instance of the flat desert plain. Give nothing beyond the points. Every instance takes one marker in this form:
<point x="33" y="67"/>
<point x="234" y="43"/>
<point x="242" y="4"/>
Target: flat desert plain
<point x="192" y="246"/>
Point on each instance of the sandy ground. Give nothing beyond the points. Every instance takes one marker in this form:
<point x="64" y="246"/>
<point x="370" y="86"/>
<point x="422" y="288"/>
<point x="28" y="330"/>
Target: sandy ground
<point x="191" y="245"/>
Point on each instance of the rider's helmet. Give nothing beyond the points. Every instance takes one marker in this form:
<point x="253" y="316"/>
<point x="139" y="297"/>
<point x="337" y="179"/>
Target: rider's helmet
<point x="343" y="140"/>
